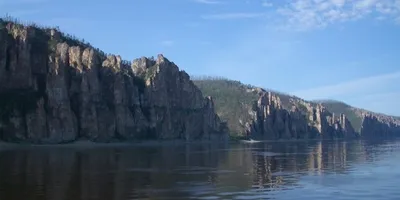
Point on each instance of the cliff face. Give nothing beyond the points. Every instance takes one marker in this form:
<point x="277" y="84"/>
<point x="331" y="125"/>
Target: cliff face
<point x="273" y="115"/>
<point x="301" y="121"/>
<point x="378" y="126"/>
<point x="54" y="89"/>
<point x="367" y="123"/>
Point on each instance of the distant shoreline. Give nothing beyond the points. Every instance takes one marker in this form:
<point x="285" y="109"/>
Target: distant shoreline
<point x="91" y="144"/>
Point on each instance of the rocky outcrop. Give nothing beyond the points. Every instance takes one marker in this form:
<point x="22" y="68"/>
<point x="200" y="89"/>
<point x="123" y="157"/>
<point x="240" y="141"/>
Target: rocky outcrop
<point x="379" y="126"/>
<point x="302" y="121"/>
<point x="54" y="89"/>
<point x="366" y="123"/>
<point x="178" y="109"/>
<point x="265" y="114"/>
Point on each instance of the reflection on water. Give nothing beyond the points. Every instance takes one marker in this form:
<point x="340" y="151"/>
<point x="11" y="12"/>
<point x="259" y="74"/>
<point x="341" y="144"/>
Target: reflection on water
<point x="292" y="170"/>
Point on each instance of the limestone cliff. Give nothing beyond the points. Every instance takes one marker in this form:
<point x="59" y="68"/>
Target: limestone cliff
<point x="296" y="120"/>
<point x="262" y="114"/>
<point x="55" y="89"/>
<point x="366" y="123"/>
<point x="374" y="124"/>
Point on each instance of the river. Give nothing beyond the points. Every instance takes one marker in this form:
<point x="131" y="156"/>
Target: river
<point x="310" y="170"/>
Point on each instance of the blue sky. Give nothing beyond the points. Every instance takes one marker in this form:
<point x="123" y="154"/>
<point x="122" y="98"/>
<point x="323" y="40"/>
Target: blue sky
<point x="317" y="49"/>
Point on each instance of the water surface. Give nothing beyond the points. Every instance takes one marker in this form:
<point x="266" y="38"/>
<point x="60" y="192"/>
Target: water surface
<point x="279" y="170"/>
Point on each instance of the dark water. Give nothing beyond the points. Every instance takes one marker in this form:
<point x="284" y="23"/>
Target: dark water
<point x="293" y="170"/>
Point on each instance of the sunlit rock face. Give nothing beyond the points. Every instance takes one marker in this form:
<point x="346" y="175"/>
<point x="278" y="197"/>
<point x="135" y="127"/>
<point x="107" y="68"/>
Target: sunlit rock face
<point x="55" y="89"/>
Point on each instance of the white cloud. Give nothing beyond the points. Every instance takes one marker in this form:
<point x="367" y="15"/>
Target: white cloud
<point x="304" y="15"/>
<point x="365" y="4"/>
<point x="208" y="1"/>
<point x="227" y="16"/>
<point x="355" y="87"/>
<point x="338" y="3"/>
<point x="380" y="18"/>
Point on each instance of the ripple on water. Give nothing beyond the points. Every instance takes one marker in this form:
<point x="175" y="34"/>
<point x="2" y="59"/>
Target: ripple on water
<point x="312" y="171"/>
<point x="201" y="170"/>
<point x="268" y="154"/>
<point x="147" y="170"/>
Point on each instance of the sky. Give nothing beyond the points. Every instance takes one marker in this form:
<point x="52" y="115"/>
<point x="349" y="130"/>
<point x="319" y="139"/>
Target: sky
<point x="345" y="50"/>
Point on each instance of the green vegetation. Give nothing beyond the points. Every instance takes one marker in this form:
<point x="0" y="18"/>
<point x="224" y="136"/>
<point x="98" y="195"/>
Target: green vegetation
<point x="232" y="99"/>
<point x="40" y="30"/>
<point x="52" y="45"/>
<point x="43" y="42"/>
<point x="237" y="138"/>
<point x="340" y="107"/>
<point x="302" y="108"/>
<point x="2" y="25"/>
<point x="150" y="72"/>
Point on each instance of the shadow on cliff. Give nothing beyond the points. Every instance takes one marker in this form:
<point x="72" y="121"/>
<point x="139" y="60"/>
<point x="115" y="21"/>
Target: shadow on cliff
<point x="57" y="89"/>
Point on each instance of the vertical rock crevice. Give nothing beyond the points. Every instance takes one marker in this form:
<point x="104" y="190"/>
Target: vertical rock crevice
<point x="56" y="90"/>
<point x="272" y="121"/>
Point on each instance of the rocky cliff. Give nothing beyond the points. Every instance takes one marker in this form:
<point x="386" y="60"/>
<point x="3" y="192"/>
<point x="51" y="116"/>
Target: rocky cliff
<point x="262" y="114"/>
<point x="55" y="89"/>
<point x="296" y="120"/>
<point x="367" y="123"/>
<point x="373" y="124"/>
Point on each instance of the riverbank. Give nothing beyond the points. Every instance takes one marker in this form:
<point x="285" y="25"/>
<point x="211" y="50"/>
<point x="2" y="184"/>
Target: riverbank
<point x="143" y="143"/>
<point x="91" y="144"/>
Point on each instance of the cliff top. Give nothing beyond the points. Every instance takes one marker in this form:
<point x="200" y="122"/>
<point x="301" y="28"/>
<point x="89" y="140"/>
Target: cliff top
<point x="13" y="24"/>
<point x="53" y="36"/>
